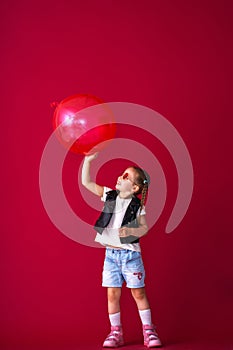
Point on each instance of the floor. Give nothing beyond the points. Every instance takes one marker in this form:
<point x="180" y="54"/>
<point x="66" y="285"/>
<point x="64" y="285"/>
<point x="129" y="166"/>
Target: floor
<point x="130" y="346"/>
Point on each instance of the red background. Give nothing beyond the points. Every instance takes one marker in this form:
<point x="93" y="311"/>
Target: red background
<point x="172" y="56"/>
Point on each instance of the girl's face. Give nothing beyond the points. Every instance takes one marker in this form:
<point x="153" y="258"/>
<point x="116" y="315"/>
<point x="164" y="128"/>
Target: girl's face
<point x="126" y="182"/>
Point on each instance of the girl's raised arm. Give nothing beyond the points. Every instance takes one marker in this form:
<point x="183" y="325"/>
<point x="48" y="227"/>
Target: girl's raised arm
<point x="86" y="178"/>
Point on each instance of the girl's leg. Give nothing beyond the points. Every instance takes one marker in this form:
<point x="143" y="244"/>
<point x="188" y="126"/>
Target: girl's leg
<point x="114" y="295"/>
<point x="151" y="338"/>
<point x="139" y="295"/>
<point x="115" y="337"/>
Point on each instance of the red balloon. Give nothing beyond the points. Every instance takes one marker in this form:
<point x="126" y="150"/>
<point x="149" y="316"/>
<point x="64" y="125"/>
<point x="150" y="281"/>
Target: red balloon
<point x="82" y="129"/>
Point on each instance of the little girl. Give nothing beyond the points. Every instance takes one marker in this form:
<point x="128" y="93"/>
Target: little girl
<point x="119" y="228"/>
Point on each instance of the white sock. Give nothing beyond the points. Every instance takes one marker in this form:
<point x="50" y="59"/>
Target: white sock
<point x="145" y="316"/>
<point x="115" y="319"/>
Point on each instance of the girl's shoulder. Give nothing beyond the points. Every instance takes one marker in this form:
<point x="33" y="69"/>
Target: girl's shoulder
<point x="106" y="190"/>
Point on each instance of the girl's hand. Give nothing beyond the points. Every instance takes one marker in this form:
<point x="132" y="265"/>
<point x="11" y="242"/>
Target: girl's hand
<point x="124" y="232"/>
<point x="91" y="157"/>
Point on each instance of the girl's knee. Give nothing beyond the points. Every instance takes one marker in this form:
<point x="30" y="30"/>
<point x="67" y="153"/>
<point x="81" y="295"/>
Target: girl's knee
<point x="114" y="294"/>
<point x="138" y="293"/>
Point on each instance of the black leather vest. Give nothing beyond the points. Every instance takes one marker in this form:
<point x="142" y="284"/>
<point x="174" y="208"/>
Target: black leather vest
<point x="129" y="220"/>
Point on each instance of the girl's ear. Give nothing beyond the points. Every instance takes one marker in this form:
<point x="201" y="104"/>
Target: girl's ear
<point x="135" y="188"/>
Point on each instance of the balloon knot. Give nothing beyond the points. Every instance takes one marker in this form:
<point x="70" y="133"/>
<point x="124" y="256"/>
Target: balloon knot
<point x="54" y="104"/>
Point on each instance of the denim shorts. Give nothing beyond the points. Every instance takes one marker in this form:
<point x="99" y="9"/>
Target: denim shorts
<point x="122" y="265"/>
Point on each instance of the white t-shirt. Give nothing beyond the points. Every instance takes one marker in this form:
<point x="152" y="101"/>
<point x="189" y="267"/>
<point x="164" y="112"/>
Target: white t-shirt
<point x="110" y="235"/>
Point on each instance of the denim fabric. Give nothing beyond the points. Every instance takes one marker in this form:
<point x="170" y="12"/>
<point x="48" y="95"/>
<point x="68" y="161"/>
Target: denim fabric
<point x="123" y="265"/>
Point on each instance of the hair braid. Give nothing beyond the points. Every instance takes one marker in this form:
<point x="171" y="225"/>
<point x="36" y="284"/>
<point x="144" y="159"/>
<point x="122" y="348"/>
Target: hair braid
<point x="143" y="197"/>
<point x="143" y="181"/>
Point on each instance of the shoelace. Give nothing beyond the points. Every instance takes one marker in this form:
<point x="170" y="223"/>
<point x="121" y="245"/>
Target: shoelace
<point x="113" y="335"/>
<point x="151" y="334"/>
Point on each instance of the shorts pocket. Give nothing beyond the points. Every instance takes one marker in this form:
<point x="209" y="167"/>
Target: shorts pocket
<point x="135" y="262"/>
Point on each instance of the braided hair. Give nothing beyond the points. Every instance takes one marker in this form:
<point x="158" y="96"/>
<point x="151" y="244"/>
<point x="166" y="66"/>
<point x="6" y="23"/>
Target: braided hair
<point x="143" y="181"/>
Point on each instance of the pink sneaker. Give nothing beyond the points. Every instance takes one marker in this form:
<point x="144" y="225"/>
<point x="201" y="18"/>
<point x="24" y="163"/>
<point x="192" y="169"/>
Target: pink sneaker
<point x="115" y="338"/>
<point x="151" y="339"/>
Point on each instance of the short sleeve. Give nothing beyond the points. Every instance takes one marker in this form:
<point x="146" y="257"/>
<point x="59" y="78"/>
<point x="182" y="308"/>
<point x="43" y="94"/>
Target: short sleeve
<point x="142" y="212"/>
<point x="106" y="189"/>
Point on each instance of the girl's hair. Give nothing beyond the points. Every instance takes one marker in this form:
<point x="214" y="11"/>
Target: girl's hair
<point x="142" y="180"/>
